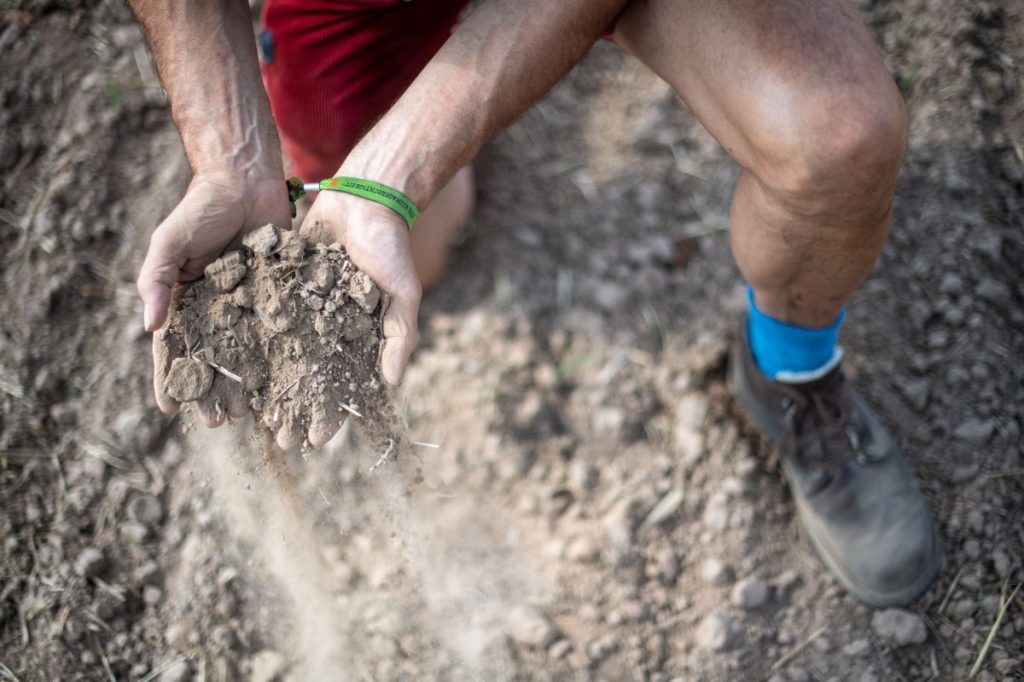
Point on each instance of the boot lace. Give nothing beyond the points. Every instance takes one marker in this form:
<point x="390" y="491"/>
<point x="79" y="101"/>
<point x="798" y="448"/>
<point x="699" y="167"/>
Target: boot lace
<point x="818" y="429"/>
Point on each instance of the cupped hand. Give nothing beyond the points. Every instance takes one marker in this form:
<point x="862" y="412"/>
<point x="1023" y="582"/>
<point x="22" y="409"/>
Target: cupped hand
<point x="377" y="241"/>
<point x="216" y="211"/>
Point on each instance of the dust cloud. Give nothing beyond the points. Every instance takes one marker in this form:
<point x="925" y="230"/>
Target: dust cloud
<point x="470" y="578"/>
<point x="462" y="585"/>
<point x="273" y="523"/>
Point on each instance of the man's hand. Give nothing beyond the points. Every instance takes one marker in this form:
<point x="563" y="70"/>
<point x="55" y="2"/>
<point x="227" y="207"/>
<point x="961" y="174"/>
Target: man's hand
<point x="377" y="240"/>
<point x="213" y="215"/>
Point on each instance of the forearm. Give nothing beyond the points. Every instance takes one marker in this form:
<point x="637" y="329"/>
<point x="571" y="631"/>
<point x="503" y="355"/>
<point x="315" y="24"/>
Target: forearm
<point x="206" y="56"/>
<point x="503" y="58"/>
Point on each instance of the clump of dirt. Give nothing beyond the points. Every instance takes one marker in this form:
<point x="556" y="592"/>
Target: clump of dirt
<point x="284" y="328"/>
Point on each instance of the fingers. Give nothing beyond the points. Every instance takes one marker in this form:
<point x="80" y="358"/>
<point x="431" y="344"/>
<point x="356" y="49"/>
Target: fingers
<point x="211" y="406"/>
<point x="290" y="435"/>
<point x="159" y="273"/>
<point x="400" y="332"/>
<point x="324" y="422"/>
<point x="166" y="348"/>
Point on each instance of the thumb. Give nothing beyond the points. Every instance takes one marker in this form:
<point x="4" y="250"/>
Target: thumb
<point x="400" y="331"/>
<point x="159" y="273"/>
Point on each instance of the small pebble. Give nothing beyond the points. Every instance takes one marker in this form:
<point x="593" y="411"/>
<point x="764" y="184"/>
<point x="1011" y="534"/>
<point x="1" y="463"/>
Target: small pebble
<point x="1001" y="563"/>
<point x="583" y="550"/>
<point x="714" y="571"/>
<point x="528" y="627"/>
<point x="267" y="665"/>
<point x="134" y="532"/>
<point x="717" y="513"/>
<point x="226" y="272"/>
<point x="951" y="284"/>
<point x="582" y="475"/>
<point x="799" y="675"/>
<point x="976" y="431"/>
<point x="823" y="644"/>
<point x="151" y="594"/>
<point x="858" y="648"/>
<point x="619" y="524"/>
<point x="715" y="632"/>
<point x="559" y="649"/>
<point x="364" y="292"/>
<point x="668" y="565"/>
<point x="261" y="241"/>
<point x="188" y="379"/>
<point x="899" y="626"/>
<point x="994" y="291"/>
<point x="749" y="593"/>
<point x="916" y="392"/>
<point x="178" y="672"/>
<point x="1006" y="666"/>
<point x="147" y="509"/>
<point x="976" y="521"/>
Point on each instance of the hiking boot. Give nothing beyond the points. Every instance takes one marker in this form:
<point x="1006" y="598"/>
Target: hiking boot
<point x="855" y="494"/>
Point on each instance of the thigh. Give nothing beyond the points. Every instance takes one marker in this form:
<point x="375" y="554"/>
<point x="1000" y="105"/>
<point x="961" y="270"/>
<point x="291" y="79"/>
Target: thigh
<point x="334" y="67"/>
<point x="766" y="78"/>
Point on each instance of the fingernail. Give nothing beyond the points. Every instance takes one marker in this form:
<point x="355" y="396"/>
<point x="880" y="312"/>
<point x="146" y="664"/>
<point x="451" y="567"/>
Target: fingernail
<point x="147" y="317"/>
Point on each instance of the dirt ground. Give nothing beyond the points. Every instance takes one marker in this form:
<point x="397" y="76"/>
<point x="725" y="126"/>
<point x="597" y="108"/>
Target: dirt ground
<point x="596" y="509"/>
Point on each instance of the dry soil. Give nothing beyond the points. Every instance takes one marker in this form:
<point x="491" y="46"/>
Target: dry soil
<point x="596" y="508"/>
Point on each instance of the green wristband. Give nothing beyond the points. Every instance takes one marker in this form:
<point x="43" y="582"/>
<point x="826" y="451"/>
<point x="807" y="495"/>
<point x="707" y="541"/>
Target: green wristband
<point x="375" y="191"/>
<point x="367" y="189"/>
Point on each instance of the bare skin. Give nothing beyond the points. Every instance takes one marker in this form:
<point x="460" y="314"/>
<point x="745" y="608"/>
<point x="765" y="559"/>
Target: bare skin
<point x="502" y="58"/>
<point x="799" y="96"/>
<point x="794" y="90"/>
<point x="438" y="226"/>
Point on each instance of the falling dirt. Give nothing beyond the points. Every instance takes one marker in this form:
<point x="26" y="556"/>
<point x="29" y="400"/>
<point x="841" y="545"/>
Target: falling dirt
<point x="263" y="508"/>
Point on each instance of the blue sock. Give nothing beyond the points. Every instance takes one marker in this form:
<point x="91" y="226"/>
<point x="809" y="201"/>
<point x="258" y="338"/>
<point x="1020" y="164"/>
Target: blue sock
<point x="791" y="353"/>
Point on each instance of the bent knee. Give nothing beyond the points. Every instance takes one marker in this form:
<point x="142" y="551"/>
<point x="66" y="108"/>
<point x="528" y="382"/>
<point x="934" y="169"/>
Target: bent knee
<point x="846" y="142"/>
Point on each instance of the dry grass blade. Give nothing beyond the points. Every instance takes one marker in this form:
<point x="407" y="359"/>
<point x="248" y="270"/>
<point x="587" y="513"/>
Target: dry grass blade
<point x="1009" y="473"/>
<point x="1004" y="604"/>
<point x="12" y="220"/>
<point x="102" y="453"/>
<point x="949" y="592"/>
<point x="23" y="453"/>
<point x="384" y="457"/>
<point x="349" y="409"/>
<point x="664" y="508"/>
<point x="286" y="389"/>
<point x="229" y="374"/>
<point x="115" y="591"/>
<point x="795" y="651"/>
<point x="10" y="385"/>
<point x="669" y="622"/>
<point x="103" y="659"/>
<point x="7" y="674"/>
<point x="157" y="672"/>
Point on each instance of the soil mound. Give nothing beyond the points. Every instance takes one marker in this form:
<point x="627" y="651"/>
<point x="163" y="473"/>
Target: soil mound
<point x="284" y="328"/>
